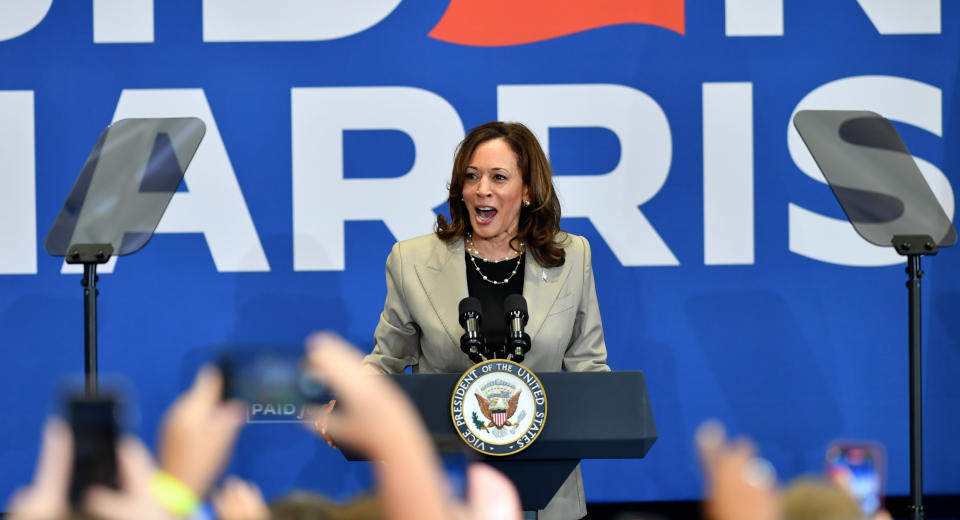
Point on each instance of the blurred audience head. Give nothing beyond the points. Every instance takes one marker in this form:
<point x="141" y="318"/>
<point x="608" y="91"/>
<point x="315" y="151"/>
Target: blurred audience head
<point x="818" y="499"/>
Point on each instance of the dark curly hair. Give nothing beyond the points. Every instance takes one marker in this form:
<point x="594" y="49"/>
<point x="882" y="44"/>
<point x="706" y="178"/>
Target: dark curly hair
<point x="540" y="222"/>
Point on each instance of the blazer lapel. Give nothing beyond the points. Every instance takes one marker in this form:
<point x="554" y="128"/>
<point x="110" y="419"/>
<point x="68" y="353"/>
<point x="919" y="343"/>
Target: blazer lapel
<point x="541" y="286"/>
<point x="444" y="279"/>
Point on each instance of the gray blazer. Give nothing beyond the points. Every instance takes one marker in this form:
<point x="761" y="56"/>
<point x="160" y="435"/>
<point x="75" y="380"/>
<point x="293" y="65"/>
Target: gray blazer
<point x="427" y="278"/>
<point x="419" y="326"/>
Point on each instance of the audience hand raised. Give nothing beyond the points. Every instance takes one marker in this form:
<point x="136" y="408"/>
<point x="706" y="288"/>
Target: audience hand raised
<point x="238" y="499"/>
<point x="134" y="498"/>
<point x="411" y="482"/>
<point x="198" y="432"/>
<point x="46" y="497"/>
<point x="740" y="486"/>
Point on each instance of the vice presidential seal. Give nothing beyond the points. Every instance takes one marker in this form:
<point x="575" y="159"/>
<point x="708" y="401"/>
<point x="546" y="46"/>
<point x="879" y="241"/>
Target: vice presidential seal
<point x="498" y="407"/>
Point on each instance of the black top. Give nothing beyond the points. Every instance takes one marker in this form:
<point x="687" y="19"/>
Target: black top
<point x="491" y="296"/>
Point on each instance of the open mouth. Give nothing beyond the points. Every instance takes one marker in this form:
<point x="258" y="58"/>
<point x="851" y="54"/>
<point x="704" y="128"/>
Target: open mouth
<point x="485" y="214"/>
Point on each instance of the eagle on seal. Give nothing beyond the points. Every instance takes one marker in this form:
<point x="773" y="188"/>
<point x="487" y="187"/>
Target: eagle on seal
<point x="496" y="412"/>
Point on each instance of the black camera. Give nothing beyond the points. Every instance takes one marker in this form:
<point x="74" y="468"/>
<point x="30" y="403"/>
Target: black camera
<point x="271" y="376"/>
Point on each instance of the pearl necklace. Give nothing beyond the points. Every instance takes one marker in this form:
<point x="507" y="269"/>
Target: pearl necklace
<point x="474" y="253"/>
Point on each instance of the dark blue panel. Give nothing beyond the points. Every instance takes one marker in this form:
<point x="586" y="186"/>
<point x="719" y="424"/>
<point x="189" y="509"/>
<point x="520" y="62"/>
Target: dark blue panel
<point x="376" y="154"/>
<point x="583" y="151"/>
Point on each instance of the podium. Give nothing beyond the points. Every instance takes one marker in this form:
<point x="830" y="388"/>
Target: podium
<point x="590" y="415"/>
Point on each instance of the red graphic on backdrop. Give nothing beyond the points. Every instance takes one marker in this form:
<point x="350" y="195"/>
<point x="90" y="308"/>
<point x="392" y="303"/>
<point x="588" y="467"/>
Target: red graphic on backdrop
<point x="495" y="23"/>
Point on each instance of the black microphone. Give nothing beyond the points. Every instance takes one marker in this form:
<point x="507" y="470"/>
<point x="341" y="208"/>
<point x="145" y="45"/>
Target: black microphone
<point x="472" y="341"/>
<point x="518" y="341"/>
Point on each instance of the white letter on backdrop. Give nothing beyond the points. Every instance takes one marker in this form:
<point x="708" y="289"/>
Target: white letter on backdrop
<point x="122" y="21"/>
<point x="753" y="17"/>
<point x="765" y="17"/>
<point x="289" y="20"/>
<point x="323" y="200"/>
<point x="609" y="200"/>
<point x="728" y="173"/>
<point x="18" y="17"/>
<point x="900" y="17"/>
<point x="18" y="210"/>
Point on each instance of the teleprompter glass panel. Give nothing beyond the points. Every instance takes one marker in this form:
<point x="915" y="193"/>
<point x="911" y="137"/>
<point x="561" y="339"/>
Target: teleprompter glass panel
<point x="873" y="176"/>
<point x="126" y="184"/>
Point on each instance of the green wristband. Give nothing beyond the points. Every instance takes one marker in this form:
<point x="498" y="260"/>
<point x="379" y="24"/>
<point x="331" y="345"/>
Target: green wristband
<point x="173" y="494"/>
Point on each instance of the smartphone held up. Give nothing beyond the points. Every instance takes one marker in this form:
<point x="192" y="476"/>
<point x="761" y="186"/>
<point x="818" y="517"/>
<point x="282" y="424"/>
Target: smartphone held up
<point x="859" y="468"/>
<point x="95" y="428"/>
<point x="276" y="383"/>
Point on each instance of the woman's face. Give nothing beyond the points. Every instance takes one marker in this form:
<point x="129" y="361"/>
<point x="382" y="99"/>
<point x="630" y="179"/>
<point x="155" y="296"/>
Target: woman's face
<point x="493" y="190"/>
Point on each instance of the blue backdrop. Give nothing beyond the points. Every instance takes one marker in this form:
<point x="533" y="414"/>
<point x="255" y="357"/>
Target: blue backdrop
<point x="719" y="270"/>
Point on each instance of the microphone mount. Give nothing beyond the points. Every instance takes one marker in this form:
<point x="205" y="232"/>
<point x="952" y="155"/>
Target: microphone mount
<point x="518" y="342"/>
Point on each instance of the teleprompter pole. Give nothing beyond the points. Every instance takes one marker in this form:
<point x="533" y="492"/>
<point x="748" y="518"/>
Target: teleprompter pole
<point x="914" y="247"/>
<point x="89" y="255"/>
<point x="90" y="293"/>
<point x="916" y="401"/>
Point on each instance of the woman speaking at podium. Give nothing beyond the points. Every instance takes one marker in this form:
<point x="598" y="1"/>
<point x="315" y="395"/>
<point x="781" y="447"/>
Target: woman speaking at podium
<point x="503" y="238"/>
